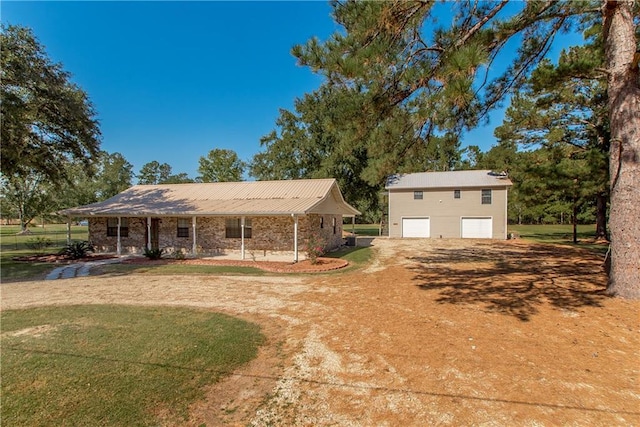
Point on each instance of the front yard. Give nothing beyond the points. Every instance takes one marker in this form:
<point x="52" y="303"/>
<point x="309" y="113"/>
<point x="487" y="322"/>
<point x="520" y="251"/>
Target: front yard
<point x="447" y="332"/>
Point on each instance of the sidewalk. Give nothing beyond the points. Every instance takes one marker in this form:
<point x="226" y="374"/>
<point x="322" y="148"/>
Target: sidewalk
<point x="80" y="269"/>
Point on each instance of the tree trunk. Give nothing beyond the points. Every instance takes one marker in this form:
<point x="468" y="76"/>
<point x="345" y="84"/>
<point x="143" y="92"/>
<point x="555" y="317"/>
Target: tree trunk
<point x="624" y="164"/>
<point x="601" y="217"/>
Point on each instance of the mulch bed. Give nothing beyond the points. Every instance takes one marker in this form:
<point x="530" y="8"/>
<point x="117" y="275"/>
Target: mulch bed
<point x="323" y="264"/>
<point x="60" y="259"/>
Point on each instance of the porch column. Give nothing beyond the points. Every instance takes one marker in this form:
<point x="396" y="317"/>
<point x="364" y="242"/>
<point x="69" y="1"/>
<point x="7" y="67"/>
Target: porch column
<point x="149" y="233"/>
<point x="193" y="228"/>
<point x="242" y="238"/>
<point x="295" y="238"/>
<point x="119" y="244"/>
<point x="68" y="230"/>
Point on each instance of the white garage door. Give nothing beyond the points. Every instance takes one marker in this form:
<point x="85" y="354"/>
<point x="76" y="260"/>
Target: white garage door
<point x="477" y="228"/>
<point x="415" y="227"/>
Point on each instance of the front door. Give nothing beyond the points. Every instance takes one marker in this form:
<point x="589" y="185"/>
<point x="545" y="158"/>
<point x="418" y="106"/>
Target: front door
<point x="155" y="233"/>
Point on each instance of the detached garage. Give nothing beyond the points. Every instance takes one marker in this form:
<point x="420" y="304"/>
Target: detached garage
<point x="477" y="228"/>
<point x="468" y="204"/>
<point x="416" y="227"/>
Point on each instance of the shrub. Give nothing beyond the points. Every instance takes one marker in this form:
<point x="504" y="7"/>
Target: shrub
<point x="153" y="253"/>
<point x="39" y="243"/>
<point x="315" y="247"/>
<point x="77" y="250"/>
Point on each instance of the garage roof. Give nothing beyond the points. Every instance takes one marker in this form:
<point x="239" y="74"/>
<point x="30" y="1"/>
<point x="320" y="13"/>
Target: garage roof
<point x="321" y="196"/>
<point x="449" y="179"/>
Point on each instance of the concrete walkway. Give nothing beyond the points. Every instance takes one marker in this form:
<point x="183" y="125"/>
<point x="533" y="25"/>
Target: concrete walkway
<point x="79" y="269"/>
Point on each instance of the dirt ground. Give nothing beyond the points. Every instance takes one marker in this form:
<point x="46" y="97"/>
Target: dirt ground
<point x="433" y="332"/>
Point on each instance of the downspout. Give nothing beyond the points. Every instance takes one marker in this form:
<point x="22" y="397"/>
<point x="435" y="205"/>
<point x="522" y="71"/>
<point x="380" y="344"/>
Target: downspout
<point x="119" y="244"/>
<point x="193" y="227"/>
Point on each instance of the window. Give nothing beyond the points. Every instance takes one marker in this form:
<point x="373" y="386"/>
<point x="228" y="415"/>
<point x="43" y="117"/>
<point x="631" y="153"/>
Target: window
<point x="112" y="227"/>
<point x="233" y="228"/>
<point x="321" y="222"/>
<point x="183" y="227"/>
<point x="456" y="194"/>
<point x="334" y="225"/>
<point x="417" y="195"/>
<point x="486" y="197"/>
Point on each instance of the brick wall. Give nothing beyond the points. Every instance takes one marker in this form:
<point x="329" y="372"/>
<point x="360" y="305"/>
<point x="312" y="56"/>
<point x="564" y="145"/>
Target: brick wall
<point x="268" y="234"/>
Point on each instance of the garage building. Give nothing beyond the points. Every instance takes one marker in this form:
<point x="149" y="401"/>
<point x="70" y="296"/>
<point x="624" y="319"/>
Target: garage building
<point x="455" y="204"/>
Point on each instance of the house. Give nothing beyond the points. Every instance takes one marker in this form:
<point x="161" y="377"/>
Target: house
<point x="455" y="204"/>
<point x="213" y="218"/>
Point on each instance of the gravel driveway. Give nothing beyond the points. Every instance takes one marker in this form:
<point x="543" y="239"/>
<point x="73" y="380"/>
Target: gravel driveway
<point x="433" y="332"/>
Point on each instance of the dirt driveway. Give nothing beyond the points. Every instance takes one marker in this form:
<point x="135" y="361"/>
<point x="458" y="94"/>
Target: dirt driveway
<point x="437" y="332"/>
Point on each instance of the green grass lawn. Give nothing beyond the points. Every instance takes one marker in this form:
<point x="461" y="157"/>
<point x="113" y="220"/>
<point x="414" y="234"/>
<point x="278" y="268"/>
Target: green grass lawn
<point x="115" y="365"/>
<point x="560" y="234"/>
<point x="41" y="240"/>
<point x="168" y="269"/>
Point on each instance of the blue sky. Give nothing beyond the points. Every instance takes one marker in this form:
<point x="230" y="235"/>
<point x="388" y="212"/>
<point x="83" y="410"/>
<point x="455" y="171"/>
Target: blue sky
<point x="173" y="80"/>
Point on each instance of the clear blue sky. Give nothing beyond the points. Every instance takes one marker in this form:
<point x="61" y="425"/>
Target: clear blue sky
<point x="172" y="80"/>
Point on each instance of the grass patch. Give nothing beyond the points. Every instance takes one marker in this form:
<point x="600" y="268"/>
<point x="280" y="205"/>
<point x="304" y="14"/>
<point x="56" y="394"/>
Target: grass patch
<point x="561" y="234"/>
<point x="364" y="229"/>
<point x="185" y="269"/>
<point x="357" y="256"/>
<point x="13" y="245"/>
<point x="115" y="365"/>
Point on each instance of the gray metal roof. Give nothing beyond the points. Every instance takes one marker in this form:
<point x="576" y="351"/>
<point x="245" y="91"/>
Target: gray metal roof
<point x="449" y="179"/>
<point x="224" y="198"/>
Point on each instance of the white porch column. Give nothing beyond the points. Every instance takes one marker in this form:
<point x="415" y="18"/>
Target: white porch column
<point x="119" y="244"/>
<point x="68" y="230"/>
<point x="149" y="233"/>
<point x="295" y="238"/>
<point x="242" y="238"/>
<point x="193" y="228"/>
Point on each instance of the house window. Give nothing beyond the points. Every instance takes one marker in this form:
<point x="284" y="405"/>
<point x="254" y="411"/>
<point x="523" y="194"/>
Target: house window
<point x="417" y="195"/>
<point x="486" y="197"/>
<point x="321" y="222"/>
<point x="334" y="226"/>
<point x="112" y="227"/>
<point x="233" y="228"/>
<point x="183" y="227"/>
<point x="456" y="194"/>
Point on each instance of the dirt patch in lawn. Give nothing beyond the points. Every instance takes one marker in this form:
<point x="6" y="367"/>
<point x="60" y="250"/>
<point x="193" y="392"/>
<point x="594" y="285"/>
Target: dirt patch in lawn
<point x="435" y="332"/>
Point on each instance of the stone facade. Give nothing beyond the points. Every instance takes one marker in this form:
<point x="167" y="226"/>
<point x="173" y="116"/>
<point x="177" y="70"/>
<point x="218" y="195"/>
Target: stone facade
<point x="268" y="234"/>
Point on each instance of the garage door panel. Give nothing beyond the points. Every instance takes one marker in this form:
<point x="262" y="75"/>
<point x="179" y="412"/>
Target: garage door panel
<point x="477" y="228"/>
<point x="416" y="227"/>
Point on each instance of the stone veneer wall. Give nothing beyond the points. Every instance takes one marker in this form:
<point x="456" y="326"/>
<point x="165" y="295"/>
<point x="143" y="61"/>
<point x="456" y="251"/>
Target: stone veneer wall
<point x="274" y="233"/>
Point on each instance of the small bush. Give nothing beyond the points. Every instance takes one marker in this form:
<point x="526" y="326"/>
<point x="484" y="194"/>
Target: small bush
<point x="39" y="243"/>
<point x="77" y="250"/>
<point x="153" y="253"/>
<point x="315" y="247"/>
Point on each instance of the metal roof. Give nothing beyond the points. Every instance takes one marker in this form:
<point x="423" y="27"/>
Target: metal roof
<point x="449" y="179"/>
<point x="223" y="198"/>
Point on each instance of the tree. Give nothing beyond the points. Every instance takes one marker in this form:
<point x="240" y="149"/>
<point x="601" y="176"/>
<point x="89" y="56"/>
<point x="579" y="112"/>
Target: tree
<point x="114" y="175"/>
<point x="154" y="173"/>
<point x="27" y="197"/>
<point x="623" y="90"/>
<point x="46" y="119"/>
<point x="441" y="77"/>
<point x="220" y="165"/>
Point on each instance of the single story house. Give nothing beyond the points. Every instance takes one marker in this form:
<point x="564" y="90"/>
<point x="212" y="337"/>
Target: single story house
<point x="454" y="204"/>
<point x="213" y="218"/>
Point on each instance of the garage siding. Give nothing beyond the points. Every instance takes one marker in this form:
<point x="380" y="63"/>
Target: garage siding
<point x="445" y="211"/>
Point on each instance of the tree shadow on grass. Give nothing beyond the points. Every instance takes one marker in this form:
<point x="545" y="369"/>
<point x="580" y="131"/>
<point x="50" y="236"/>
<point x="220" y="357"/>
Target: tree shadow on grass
<point x="513" y="280"/>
